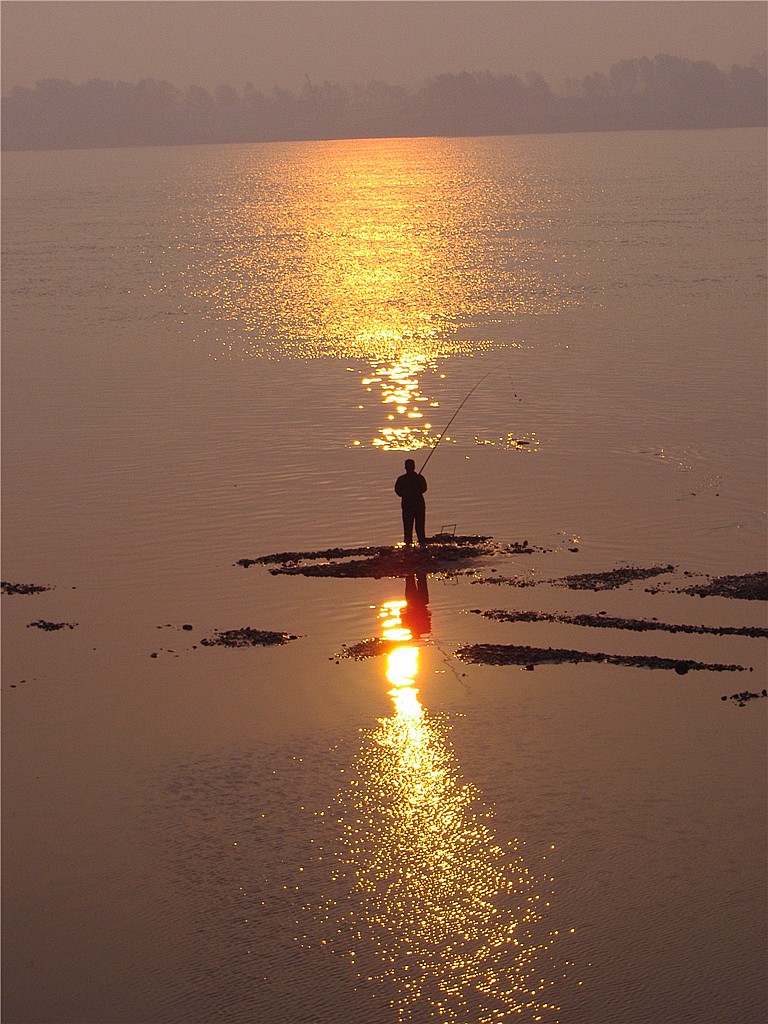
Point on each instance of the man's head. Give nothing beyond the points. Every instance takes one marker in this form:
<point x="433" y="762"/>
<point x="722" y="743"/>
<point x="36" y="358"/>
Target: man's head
<point x="410" y="465"/>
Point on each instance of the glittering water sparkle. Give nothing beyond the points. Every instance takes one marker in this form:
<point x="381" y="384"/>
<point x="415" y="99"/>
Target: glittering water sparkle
<point x="422" y="897"/>
<point x="396" y="252"/>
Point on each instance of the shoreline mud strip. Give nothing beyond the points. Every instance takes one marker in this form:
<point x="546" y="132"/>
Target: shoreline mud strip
<point x="443" y="551"/>
<point x="529" y="657"/>
<point x="604" y="621"/>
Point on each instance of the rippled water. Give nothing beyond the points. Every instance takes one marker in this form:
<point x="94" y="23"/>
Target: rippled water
<point x="215" y="353"/>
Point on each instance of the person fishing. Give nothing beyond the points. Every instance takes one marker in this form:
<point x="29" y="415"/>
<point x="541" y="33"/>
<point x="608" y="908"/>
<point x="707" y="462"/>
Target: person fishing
<point x="410" y="487"/>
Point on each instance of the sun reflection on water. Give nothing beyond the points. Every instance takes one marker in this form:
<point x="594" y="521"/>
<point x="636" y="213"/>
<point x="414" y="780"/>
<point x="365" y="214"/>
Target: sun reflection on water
<point x="408" y="411"/>
<point x="426" y="900"/>
<point x="397" y="252"/>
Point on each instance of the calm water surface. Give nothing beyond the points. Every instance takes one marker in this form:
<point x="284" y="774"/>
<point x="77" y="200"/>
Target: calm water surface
<point x="212" y="353"/>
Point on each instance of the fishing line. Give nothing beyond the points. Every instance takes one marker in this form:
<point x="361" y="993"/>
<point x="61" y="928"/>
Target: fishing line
<point x="450" y="421"/>
<point x="448" y="660"/>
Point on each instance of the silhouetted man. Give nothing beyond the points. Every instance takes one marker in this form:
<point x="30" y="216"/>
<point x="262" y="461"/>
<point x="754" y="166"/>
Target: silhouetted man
<point x="411" y="487"/>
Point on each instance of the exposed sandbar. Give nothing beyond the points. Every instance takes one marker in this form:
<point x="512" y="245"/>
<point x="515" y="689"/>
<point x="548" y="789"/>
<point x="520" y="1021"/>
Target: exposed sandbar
<point x="752" y="586"/>
<point x="604" y="621"/>
<point x="608" y="580"/>
<point x="441" y="552"/>
<point x="528" y="657"/>
<point x="611" y="579"/>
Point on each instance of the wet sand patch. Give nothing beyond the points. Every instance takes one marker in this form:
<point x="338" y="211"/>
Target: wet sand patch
<point x="50" y="626"/>
<point x="529" y="657"/>
<point x="442" y="551"/>
<point x="23" y="588"/>
<point x="246" y="636"/>
<point x="604" y="621"/>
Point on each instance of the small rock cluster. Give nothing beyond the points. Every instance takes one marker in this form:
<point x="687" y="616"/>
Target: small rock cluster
<point x="22" y="588"/>
<point x="247" y="637"/>
<point x="51" y="626"/>
<point x="740" y="699"/>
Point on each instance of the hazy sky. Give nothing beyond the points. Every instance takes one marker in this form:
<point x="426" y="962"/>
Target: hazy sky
<point x="267" y="43"/>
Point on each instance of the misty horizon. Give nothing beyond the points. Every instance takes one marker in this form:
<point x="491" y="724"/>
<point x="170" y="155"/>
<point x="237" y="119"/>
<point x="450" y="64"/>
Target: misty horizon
<point x="402" y="43"/>
<point x="637" y="93"/>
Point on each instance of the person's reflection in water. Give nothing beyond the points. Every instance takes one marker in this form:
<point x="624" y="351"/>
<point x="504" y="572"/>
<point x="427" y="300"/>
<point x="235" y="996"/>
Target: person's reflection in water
<point x="416" y="616"/>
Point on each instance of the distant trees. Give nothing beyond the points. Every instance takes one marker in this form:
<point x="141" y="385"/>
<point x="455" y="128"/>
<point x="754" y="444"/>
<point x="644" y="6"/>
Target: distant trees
<point x="663" y="92"/>
<point x="670" y="92"/>
<point x="484" y="104"/>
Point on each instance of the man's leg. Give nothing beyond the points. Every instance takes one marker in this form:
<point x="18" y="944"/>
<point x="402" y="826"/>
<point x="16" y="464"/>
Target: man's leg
<point x="421" y="516"/>
<point x="408" y="517"/>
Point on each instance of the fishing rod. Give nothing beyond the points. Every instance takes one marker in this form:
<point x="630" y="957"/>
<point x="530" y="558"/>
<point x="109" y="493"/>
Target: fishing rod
<point x="450" y="421"/>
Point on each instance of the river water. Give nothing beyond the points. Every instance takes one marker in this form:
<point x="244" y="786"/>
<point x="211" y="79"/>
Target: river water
<point x="221" y="352"/>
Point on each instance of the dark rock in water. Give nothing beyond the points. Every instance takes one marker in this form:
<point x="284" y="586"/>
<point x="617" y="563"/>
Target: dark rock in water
<point x="23" y="588"/>
<point x="247" y="637"/>
<point x="50" y="626"/>
<point x="514" y="654"/>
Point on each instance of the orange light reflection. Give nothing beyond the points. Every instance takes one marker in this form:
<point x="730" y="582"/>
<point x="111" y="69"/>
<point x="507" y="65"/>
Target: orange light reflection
<point x="397" y="252"/>
<point x="402" y="662"/>
<point x="427" y="901"/>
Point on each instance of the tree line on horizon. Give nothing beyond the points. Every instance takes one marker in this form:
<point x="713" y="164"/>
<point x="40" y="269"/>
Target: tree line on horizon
<point x="639" y="93"/>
